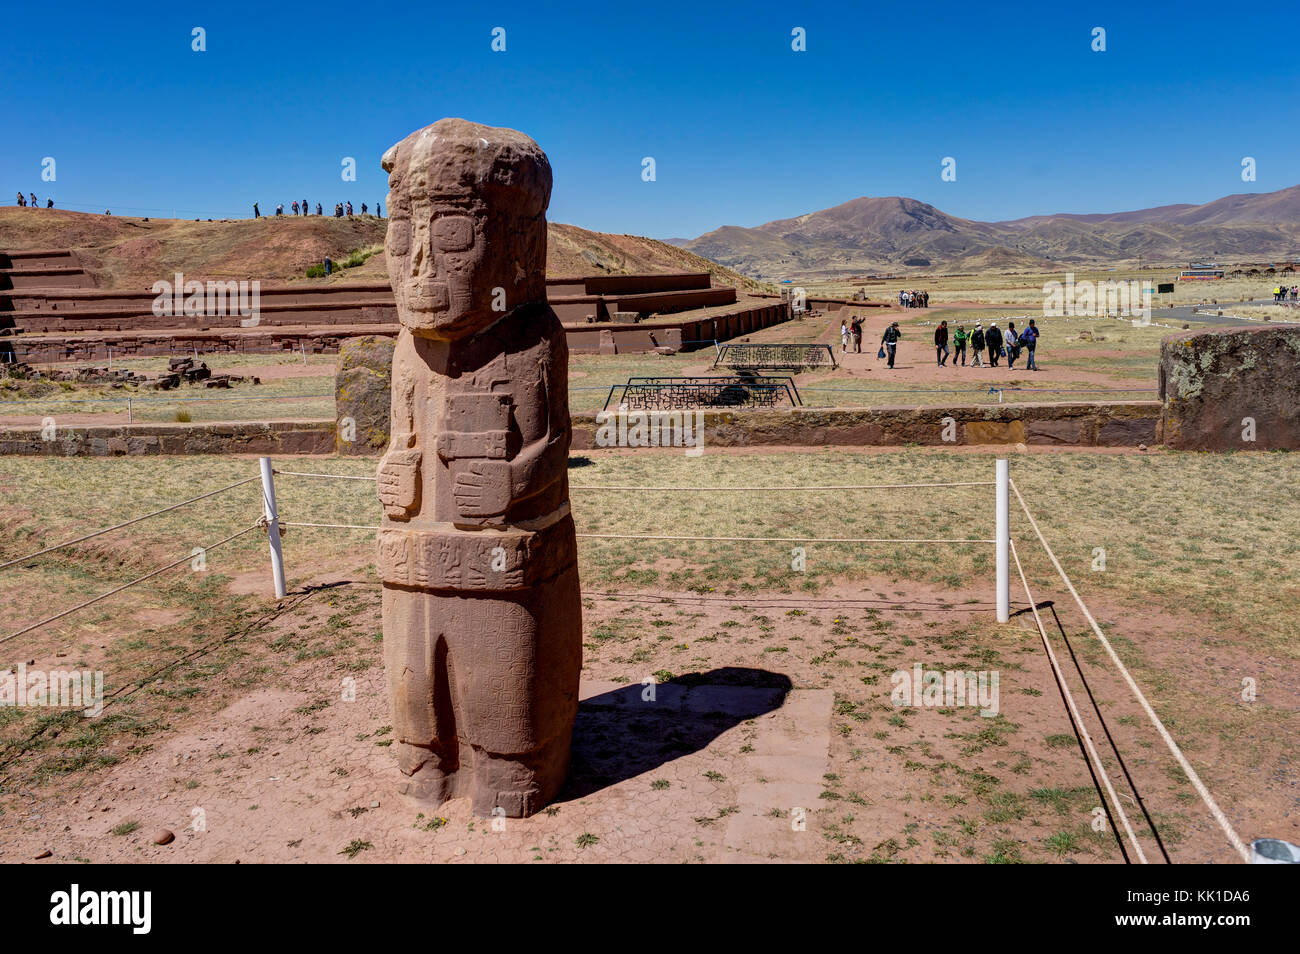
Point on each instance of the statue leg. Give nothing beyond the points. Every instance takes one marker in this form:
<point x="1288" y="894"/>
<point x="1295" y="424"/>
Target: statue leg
<point x="520" y="694"/>
<point x="420" y="692"/>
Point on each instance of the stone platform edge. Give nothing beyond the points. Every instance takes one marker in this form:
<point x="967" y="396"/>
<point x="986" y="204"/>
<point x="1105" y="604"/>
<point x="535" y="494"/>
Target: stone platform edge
<point x="1111" y="424"/>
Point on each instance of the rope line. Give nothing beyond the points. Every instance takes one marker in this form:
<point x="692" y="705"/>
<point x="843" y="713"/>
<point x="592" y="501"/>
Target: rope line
<point x="128" y="523"/>
<point x="153" y="573"/>
<point x="1075" y="717"/>
<point x="968" y="483"/>
<point x="641" y="536"/>
<point x="1185" y="765"/>
<point x="332" y="526"/>
<point x="295" y="473"/>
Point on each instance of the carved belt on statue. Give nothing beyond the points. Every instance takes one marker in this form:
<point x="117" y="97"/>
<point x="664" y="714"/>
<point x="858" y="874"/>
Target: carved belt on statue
<point x="488" y="560"/>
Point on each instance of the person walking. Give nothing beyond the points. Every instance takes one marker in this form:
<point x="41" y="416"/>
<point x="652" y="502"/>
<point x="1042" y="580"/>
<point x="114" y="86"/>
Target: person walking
<point x="1012" y="343"/>
<point x="305" y="210"/>
<point x="941" y="343"/>
<point x="844" y="336"/>
<point x="993" y="338"/>
<point x="959" y="346"/>
<point x="295" y="206"/>
<point x="889" y="340"/>
<point x="1030" y="338"/>
<point x="33" y="200"/>
<point x="977" y="346"/>
<point x="49" y="203"/>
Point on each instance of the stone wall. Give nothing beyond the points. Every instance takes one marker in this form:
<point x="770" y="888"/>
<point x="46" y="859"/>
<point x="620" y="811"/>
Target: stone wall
<point x="1231" y="390"/>
<point x="363" y="394"/>
<point x="1120" y="424"/>
<point x="1117" y="424"/>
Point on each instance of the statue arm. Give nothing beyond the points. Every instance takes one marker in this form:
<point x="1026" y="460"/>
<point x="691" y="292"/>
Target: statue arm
<point x="399" y="471"/>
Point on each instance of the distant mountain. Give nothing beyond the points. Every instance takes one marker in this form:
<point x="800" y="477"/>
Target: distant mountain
<point x="894" y="234"/>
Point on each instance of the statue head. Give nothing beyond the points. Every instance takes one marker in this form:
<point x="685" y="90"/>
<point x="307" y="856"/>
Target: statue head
<point x="466" y="238"/>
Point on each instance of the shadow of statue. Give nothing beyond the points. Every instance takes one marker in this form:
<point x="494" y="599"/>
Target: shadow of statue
<point x="632" y="730"/>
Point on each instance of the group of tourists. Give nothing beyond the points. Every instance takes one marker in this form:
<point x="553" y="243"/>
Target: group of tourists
<point x="1280" y="292"/>
<point x="993" y="341"/>
<point x="23" y="203"/>
<point x="987" y="346"/>
<point x="340" y="209"/>
<point x="913" y="299"/>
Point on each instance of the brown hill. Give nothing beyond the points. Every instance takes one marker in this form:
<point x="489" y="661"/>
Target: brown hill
<point x="892" y="234"/>
<point x="123" y="252"/>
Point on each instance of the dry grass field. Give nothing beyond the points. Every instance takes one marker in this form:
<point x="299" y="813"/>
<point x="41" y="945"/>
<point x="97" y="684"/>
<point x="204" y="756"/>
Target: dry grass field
<point x="1197" y="594"/>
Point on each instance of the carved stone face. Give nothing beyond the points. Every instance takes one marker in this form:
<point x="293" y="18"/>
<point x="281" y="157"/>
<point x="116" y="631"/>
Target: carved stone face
<point x="466" y="237"/>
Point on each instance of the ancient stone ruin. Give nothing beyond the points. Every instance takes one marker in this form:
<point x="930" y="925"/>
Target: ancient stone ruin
<point x="477" y="553"/>
<point x="1231" y="390"/>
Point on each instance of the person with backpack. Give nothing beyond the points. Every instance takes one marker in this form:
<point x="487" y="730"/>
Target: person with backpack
<point x="1012" y="342"/>
<point x="1030" y="339"/>
<point x="889" y="342"/>
<point x="959" y="346"/>
<point x="993" y="339"/>
<point x="855" y="329"/>
<point x="977" y="346"/>
<point x="941" y="344"/>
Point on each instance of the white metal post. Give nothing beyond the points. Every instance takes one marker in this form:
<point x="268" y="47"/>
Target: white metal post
<point x="1002" y="485"/>
<point x="273" y="527"/>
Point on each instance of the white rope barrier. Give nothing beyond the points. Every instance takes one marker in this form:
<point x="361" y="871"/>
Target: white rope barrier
<point x="141" y="579"/>
<point x="295" y="473"/>
<point x="1074" y="712"/>
<point x="642" y="536"/>
<point x="330" y="526"/>
<point x="1185" y="765"/>
<point x="127" y="523"/>
<point x="968" y="483"/>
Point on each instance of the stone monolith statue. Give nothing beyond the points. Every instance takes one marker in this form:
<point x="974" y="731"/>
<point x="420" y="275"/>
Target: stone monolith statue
<point x="482" y="614"/>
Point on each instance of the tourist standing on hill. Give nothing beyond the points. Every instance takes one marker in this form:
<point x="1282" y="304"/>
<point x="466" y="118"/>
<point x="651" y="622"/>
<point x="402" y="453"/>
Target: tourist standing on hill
<point x="305" y="210"/>
<point x="889" y="341"/>
<point x="363" y="208"/>
<point x="379" y="211"/>
<point x="257" y="214"/>
<point x="33" y="200"/>
<point x="993" y="338"/>
<point x="1012" y="342"/>
<point x="1030" y="338"/>
<point x="349" y="210"/>
<point x="977" y="346"/>
<point x="844" y="336"/>
<point x="295" y="206"/>
<point x="49" y="203"/>
<point x="941" y="343"/>
<point x="22" y="203"/>
<point x="318" y="209"/>
<point x="959" y="346"/>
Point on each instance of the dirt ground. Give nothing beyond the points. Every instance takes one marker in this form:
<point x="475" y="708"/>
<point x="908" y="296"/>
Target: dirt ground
<point x="773" y="710"/>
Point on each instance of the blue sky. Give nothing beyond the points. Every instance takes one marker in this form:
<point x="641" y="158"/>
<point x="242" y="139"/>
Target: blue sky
<point x="742" y="128"/>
